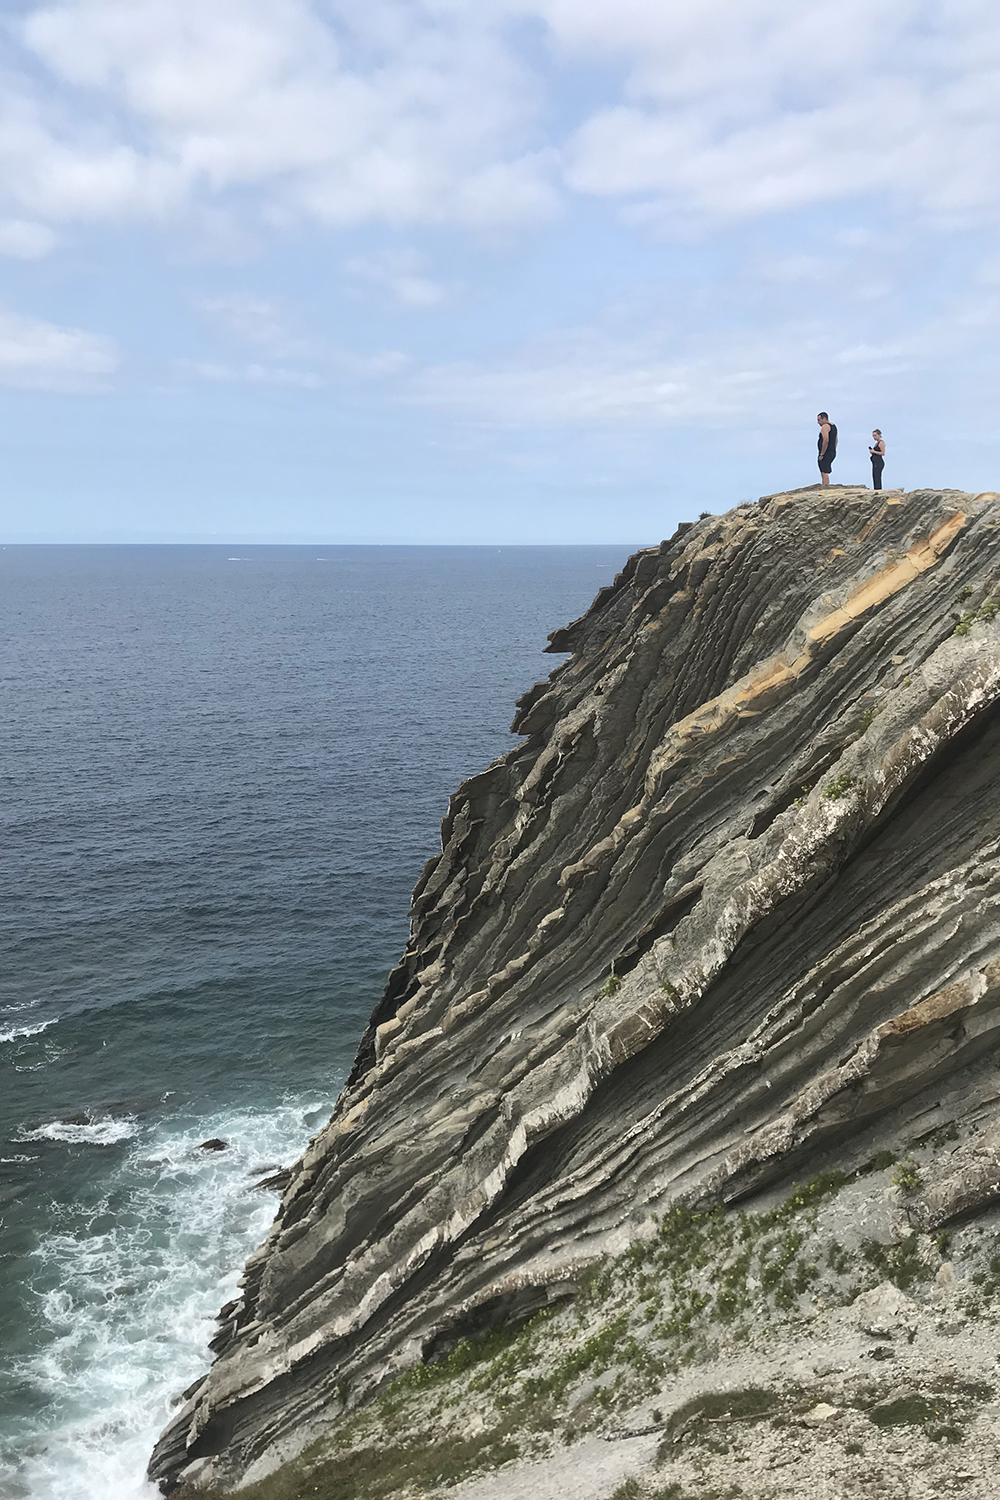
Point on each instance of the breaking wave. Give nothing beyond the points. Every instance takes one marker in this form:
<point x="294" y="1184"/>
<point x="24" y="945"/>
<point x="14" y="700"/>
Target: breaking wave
<point x="129" y="1295"/>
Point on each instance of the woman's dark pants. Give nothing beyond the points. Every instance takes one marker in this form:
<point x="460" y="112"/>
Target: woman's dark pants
<point x="878" y="464"/>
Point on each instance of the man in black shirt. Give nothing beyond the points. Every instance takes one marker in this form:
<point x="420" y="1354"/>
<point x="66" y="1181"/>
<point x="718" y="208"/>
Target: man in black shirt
<point x="827" y="445"/>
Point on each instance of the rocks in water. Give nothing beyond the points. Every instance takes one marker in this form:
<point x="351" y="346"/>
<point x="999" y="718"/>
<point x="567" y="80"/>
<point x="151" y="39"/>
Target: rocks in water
<point x="729" y="906"/>
<point x="276" y="1181"/>
<point x="215" y="1144"/>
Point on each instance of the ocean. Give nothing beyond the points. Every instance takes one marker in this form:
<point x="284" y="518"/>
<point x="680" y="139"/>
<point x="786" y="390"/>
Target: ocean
<point x="223" y="769"/>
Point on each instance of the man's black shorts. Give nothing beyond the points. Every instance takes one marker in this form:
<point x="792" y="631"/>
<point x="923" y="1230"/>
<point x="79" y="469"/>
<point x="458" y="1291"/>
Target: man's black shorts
<point x="826" y="462"/>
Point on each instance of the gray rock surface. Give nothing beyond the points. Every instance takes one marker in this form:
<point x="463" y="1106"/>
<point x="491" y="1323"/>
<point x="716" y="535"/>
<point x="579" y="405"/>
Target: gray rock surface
<point x="728" y="911"/>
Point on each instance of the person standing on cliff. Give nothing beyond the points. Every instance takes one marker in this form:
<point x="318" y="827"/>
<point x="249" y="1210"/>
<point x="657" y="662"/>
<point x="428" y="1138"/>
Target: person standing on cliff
<point x="826" y="445"/>
<point x="878" y="458"/>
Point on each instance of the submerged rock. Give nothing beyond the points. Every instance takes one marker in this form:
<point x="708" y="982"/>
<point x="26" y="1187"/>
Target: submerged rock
<point x="728" y="910"/>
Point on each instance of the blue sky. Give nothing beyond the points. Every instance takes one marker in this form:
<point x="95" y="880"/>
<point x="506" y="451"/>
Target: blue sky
<point x="487" y="270"/>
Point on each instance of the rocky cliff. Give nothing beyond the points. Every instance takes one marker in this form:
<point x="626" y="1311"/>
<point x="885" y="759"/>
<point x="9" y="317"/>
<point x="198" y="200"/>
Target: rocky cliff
<point x="726" y="910"/>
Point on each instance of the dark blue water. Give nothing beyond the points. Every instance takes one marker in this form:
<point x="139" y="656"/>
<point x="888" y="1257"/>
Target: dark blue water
<point x="222" y="771"/>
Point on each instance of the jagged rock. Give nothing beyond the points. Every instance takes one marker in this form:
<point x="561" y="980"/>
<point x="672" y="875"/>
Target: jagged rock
<point x="215" y="1144"/>
<point x="972" y="1182"/>
<point x="821" y="1414"/>
<point x="731" y="902"/>
<point x="277" y="1181"/>
<point x="885" y="1312"/>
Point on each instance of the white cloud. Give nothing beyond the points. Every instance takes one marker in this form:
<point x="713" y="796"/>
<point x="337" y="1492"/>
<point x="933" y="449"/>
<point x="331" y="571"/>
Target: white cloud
<point x="400" y="273"/>
<point x="407" y="112"/>
<point x="259" y="322"/>
<point x="588" y="379"/>
<point x="24" y="240"/>
<point x="399" y="111"/>
<point x="743" y="378"/>
<point x="35" y="355"/>
<point x="248" y="374"/>
<point x="809" y="270"/>
<point x="738" y="108"/>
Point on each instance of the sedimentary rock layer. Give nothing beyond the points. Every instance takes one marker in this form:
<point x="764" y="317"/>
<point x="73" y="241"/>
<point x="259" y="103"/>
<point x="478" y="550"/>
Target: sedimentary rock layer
<point x="731" y="899"/>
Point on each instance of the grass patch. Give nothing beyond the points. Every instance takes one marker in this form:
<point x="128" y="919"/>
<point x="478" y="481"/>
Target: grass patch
<point x="751" y="1404"/>
<point x="377" y="1473"/>
<point x="987" y="611"/>
<point x="869" y="716"/>
<point x="939" y="1409"/>
<point x="880" y="1161"/>
<point x="898" y="1262"/>
<point x="469" y="1352"/>
<point x="636" y="1318"/>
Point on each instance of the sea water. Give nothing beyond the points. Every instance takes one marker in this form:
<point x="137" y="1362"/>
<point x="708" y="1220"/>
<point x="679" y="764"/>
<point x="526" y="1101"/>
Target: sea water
<point x="221" y="771"/>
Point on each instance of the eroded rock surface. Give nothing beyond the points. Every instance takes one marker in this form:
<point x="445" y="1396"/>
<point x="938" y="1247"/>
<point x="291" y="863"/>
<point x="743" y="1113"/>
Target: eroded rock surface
<point x="731" y="903"/>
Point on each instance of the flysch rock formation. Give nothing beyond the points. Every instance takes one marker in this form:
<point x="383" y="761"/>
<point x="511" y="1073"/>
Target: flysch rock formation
<point x="730" y="901"/>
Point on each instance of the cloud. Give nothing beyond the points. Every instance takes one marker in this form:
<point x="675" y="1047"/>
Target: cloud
<point x="741" y="108"/>
<point x="259" y="322"/>
<point x="248" y="374"/>
<point x="35" y="355"/>
<point x="398" y="112"/>
<point x="24" y="240"/>
<point x="437" y="112"/>
<point x="400" y="273"/>
<point x="661" y="378"/>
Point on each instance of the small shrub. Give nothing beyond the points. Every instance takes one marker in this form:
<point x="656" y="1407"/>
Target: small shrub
<point x="906" y="1177"/>
<point x="838" y="1259"/>
<point x="898" y="1262"/>
<point x="628" y="1491"/>
<point x="838" y="787"/>
<point x="824" y="1185"/>
<point x="611" y="986"/>
<point x="880" y="1161"/>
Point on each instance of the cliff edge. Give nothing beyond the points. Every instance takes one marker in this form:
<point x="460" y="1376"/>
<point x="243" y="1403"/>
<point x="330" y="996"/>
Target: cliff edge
<point x="728" y="910"/>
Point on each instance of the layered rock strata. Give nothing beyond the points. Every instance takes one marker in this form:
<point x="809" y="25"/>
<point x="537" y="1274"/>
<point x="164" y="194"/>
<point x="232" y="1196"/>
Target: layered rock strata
<point x="730" y="901"/>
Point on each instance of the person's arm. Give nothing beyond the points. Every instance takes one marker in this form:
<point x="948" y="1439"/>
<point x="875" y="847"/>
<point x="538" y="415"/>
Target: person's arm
<point x="824" y="428"/>
<point x="881" y="446"/>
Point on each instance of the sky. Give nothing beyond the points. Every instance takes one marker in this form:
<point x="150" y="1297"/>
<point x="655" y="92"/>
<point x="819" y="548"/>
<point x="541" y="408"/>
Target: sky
<point x="487" y="271"/>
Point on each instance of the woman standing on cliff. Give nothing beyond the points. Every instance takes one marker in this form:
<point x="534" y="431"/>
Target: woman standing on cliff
<point x="878" y="459"/>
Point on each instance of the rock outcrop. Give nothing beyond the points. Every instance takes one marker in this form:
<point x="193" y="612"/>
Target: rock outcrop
<point x="730" y="902"/>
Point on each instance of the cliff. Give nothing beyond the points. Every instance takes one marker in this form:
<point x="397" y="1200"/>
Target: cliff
<point x="727" y="912"/>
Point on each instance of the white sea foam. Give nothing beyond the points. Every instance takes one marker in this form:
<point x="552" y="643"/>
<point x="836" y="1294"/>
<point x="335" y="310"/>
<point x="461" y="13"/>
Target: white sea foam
<point x="15" y="1033"/>
<point x="105" y="1131"/>
<point x="129" y="1299"/>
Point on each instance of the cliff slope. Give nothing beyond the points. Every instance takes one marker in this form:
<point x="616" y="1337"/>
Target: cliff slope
<point x="730" y="903"/>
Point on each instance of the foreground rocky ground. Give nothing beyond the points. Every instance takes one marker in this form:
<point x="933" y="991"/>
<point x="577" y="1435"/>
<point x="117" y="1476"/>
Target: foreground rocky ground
<point x="817" y="1346"/>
